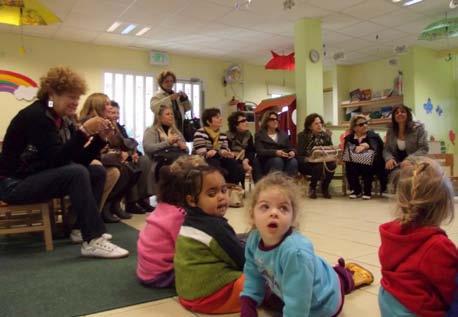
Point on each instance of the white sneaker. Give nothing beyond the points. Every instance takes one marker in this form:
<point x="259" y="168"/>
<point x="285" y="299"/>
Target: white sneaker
<point x="101" y="248"/>
<point x="77" y="237"/>
<point x="354" y="196"/>
<point x="365" y="197"/>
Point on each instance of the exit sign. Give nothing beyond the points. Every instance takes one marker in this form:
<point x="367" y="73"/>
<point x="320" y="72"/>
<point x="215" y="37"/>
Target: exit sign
<point x="158" y="58"/>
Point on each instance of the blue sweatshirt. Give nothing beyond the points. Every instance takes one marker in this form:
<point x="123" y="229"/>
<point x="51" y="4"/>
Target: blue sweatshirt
<point x="304" y="281"/>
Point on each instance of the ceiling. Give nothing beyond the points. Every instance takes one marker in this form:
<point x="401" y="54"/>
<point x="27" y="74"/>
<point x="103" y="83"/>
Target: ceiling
<point x="364" y="30"/>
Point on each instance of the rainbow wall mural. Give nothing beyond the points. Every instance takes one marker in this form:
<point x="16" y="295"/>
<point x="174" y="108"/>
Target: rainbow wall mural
<point x="21" y="86"/>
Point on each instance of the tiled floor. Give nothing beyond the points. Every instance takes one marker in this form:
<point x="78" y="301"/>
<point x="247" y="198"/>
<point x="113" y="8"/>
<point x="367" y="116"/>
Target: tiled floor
<point x="337" y="227"/>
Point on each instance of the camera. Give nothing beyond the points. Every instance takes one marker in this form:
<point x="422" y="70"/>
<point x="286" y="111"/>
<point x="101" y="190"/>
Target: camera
<point x="183" y="98"/>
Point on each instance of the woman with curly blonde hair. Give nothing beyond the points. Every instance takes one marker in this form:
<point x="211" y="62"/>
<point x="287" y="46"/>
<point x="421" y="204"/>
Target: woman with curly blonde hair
<point x="46" y="156"/>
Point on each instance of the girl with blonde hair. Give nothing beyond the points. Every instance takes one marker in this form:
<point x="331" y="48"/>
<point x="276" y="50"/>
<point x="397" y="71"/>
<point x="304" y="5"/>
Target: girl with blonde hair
<point x="419" y="262"/>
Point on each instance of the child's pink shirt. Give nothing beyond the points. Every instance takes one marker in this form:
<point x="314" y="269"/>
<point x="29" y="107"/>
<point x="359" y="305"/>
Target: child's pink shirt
<point x="156" y="242"/>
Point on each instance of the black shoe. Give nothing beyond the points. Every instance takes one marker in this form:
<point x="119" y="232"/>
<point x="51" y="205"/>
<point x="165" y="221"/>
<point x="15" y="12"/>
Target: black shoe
<point x="108" y="217"/>
<point x="121" y="213"/>
<point x="312" y="193"/>
<point x="134" y="208"/>
<point x="325" y="192"/>
<point x="145" y="205"/>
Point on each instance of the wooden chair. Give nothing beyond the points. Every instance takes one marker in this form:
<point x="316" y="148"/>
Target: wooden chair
<point x="26" y="218"/>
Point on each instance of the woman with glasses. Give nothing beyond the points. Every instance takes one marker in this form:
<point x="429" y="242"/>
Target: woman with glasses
<point x="404" y="137"/>
<point x="362" y="140"/>
<point x="273" y="147"/>
<point x="241" y="143"/>
<point x="313" y="135"/>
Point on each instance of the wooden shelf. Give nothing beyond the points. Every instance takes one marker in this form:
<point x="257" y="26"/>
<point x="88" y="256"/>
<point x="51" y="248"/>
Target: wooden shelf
<point x="375" y="102"/>
<point x="383" y="121"/>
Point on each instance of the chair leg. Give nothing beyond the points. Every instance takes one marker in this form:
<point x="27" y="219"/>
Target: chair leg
<point x="47" y="227"/>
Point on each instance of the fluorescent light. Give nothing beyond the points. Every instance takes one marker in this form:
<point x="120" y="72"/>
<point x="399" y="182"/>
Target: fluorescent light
<point x="396" y="1"/>
<point x="143" y="31"/>
<point x="129" y="28"/>
<point x="113" y="27"/>
<point x="410" y="2"/>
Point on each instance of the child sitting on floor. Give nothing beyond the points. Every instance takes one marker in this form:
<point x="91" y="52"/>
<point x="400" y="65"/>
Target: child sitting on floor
<point x="279" y="256"/>
<point x="419" y="262"/>
<point x="209" y="257"/>
<point x="156" y="242"/>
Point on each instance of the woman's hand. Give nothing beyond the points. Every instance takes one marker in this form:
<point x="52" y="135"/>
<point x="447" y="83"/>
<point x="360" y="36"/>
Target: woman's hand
<point x="390" y="164"/>
<point x="135" y="157"/>
<point x="281" y="153"/>
<point x="182" y="145"/>
<point x="291" y="154"/>
<point x="175" y="96"/>
<point x="124" y="156"/>
<point x="210" y="153"/>
<point x="95" y="125"/>
<point x="226" y="153"/>
<point x="246" y="166"/>
<point x="172" y="139"/>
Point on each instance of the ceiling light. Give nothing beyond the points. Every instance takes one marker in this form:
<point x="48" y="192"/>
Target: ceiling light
<point x="113" y="27"/>
<point x="396" y="1"/>
<point x="128" y="29"/>
<point x="143" y="31"/>
<point x="411" y="2"/>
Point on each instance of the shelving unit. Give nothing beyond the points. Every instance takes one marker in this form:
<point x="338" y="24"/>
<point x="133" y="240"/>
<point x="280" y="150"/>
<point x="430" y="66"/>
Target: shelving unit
<point x="373" y="104"/>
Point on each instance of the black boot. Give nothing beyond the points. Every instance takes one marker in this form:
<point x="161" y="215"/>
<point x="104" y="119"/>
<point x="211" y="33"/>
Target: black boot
<point x="312" y="193"/>
<point x="134" y="208"/>
<point x="117" y="210"/>
<point x="325" y="190"/>
<point x="144" y="203"/>
<point x="107" y="216"/>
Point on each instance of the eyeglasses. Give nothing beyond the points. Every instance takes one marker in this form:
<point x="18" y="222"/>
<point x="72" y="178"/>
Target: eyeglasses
<point x="362" y="124"/>
<point x="242" y="121"/>
<point x="273" y="119"/>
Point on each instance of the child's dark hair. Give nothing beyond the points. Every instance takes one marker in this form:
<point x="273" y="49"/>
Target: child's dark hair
<point x="171" y="177"/>
<point x="193" y="181"/>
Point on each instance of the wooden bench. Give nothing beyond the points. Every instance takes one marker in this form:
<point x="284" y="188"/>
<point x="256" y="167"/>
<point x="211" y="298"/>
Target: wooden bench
<point x="26" y="218"/>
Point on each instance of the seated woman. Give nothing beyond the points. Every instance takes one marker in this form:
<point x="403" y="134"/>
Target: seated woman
<point x="212" y="144"/>
<point x="362" y="140"/>
<point x="273" y="148"/>
<point x="137" y="198"/>
<point x="403" y="138"/>
<point x="242" y="145"/>
<point x="44" y="156"/>
<point x="115" y="155"/>
<point x="162" y="136"/>
<point x="315" y="135"/>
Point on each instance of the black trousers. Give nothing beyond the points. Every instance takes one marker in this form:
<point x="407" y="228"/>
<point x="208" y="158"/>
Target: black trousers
<point x="318" y="172"/>
<point x="232" y="170"/>
<point x="128" y="178"/>
<point x="354" y="172"/>
<point x="81" y="183"/>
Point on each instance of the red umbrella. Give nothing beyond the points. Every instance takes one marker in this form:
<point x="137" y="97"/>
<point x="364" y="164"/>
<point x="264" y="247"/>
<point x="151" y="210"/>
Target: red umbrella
<point x="281" y="61"/>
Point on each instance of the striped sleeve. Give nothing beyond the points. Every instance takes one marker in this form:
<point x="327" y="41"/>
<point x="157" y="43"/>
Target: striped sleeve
<point x="201" y="142"/>
<point x="224" y="142"/>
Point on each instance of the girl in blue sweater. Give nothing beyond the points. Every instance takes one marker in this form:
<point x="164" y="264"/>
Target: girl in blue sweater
<point x="279" y="256"/>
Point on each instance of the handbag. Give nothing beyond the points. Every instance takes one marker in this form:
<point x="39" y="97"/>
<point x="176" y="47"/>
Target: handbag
<point x="323" y="154"/>
<point x="168" y="155"/>
<point x="236" y="195"/>
<point x="364" y="158"/>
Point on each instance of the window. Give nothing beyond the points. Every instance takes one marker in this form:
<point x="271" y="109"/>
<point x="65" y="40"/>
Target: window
<point x="133" y="92"/>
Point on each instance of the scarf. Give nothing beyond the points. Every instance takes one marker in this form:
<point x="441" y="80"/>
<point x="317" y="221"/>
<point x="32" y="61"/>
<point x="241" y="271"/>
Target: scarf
<point x="163" y="135"/>
<point x="214" y="136"/>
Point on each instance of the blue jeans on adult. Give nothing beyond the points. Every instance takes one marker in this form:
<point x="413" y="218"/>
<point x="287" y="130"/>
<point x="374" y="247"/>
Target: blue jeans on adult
<point x="289" y="166"/>
<point x="74" y="180"/>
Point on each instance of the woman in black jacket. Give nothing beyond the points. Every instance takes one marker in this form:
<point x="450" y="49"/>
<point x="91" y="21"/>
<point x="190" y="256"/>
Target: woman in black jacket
<point x="361" y="140"/>
<point x="273" y="147"/>
<point x="314" y="135"/>
<point x="45" y="156"/>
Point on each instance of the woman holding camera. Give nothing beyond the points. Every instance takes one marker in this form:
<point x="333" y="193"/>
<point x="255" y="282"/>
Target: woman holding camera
<point x="178" y="101"/>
